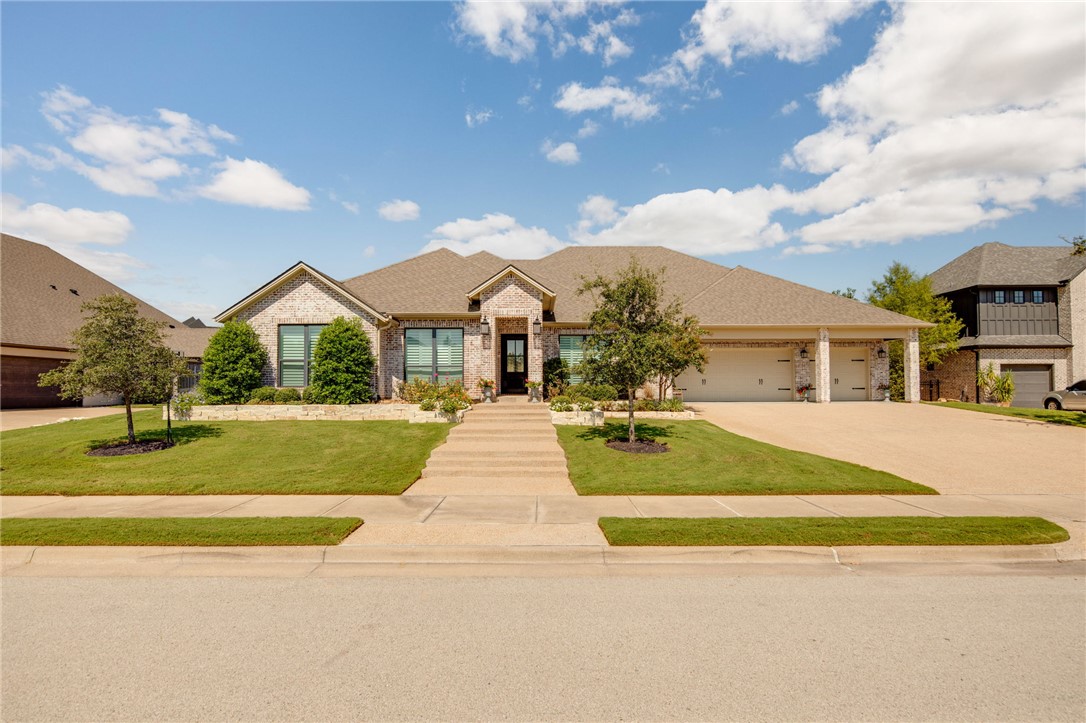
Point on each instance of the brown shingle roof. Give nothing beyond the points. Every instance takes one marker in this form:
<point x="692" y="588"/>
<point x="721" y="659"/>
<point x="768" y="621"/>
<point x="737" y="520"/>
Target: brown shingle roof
<point x="996" y="264"/>
<point x="38" y="308"/>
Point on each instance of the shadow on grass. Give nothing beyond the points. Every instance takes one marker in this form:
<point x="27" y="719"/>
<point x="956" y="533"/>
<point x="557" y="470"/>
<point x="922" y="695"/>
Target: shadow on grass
<point x="184" y="434"/>
<point x="613" y="431"/>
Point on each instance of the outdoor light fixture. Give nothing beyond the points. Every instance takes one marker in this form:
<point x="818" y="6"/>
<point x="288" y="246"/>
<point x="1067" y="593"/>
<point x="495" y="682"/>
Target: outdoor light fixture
<point x="803" y="353"/>
<point x="882" y="353"/>
<point x="484" y="327"/>
<point x="537" y="327"/>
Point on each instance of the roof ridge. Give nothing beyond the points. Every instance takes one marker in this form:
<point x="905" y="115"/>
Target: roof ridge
<point x="438" y="250"/>
<point x="723" y="276"/>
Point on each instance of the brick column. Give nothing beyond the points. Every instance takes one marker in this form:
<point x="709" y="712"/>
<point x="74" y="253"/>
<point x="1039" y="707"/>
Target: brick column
<point x="535" y="352"/>
<point x="912" y="366"/>
<point x="822" y="366"/>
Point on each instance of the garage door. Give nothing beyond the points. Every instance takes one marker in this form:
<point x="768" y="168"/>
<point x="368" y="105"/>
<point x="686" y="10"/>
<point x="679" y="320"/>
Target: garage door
<point x="848" y="374"/>
<point x="740" y="375"/>
<point x="1031" y="383"/>
<point x="19" y="383"/>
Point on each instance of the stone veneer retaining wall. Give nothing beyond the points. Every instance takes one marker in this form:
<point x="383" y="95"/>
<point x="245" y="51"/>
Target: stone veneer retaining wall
<point x="315" y="412"/>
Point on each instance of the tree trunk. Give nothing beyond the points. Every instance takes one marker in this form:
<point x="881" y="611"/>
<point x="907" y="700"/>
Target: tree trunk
<point x="630" y="407"/>
<point x="128" y="412"/>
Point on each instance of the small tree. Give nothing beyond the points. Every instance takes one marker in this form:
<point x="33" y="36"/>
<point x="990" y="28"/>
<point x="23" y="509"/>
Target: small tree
<point x="635" y="336"/>
<point x="233" y="364"/>
<point x="117" y="351"/>
<point x="676" y="350"/>
<point x="904" y="291"/>
<point x="342" y="371"/>
<point x="1078" y="245"/>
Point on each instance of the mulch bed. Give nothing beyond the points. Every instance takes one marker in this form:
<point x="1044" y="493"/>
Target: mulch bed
<point x="118" y="450"/>
<point x="641" y="446"/>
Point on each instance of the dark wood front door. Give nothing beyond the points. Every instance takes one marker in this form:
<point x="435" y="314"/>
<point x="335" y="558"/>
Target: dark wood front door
<point x="514" y="363"/>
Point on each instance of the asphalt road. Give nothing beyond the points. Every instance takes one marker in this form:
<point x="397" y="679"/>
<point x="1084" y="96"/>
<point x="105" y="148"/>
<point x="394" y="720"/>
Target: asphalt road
<point x="635" y="648"/>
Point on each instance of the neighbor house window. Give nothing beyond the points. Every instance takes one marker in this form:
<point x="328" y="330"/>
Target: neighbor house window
<point x="436" y="355"/>
<point x="571" y="349"/>
<point x="1019" y="296"/>
<point x="1001" y="297"/>
<point x="296" y="345"/>
<point x="1038" y="296"/>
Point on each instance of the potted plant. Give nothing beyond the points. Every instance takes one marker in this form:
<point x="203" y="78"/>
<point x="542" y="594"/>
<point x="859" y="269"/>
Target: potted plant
<point x="804" y="390"/>
<point x="487" y="385"/>
<point x="885" y="389"/>
<point x="535" y="391"/>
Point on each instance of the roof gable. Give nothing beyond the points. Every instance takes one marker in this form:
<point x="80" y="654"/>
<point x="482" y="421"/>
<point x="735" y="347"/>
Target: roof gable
<point x="510" y="270"/>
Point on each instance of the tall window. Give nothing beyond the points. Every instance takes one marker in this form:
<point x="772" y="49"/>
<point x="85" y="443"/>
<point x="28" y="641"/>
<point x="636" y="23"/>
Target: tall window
<point x="436" y="355"/>
<point x="571" y="349"/>
<point x="296" y="345"/>
<point x="1019" y="296"/>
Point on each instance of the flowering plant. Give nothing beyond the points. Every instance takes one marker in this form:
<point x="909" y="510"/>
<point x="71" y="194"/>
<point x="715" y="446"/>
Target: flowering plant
<point x="486" y="383"/>
<point x="803" y="389"/>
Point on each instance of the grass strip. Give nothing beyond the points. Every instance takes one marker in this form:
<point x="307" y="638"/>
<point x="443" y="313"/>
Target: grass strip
<point x="707" y="460"/>
<point x="177" y="531"/>
<point x="830" y="531"/>
<point x="1052" y="416"/>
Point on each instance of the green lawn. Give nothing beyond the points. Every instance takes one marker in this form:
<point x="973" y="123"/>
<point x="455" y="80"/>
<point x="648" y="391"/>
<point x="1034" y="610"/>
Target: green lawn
<point x="707" y="460"/>
<point x="1074" y="419"/>
<point x="186" y="531"/>
<point x="831" y="531"/>
<point x="311" y="457"/>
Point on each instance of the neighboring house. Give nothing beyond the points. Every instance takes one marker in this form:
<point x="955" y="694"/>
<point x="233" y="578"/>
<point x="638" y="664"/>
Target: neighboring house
<point x="1024" y="310"/>
<point x="446" y="317"/>
<point x="41" y="293"/>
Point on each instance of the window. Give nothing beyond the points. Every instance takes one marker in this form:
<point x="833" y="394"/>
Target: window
<point x="296" y="345"/>
<point x="1000" y="296"/>
<point x="1019" y="296"/>
<point x="571" y="348"/>
<point x="1038" y="296"/>
<point x="436" y="355"/>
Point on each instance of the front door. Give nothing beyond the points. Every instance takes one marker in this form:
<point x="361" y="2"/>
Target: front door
<point x="514" y="363"/>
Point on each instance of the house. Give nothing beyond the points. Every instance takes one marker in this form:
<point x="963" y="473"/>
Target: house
<point x="447" y="317"/>
<point x="41" y="294"/>
<point x="1024" y="310"/>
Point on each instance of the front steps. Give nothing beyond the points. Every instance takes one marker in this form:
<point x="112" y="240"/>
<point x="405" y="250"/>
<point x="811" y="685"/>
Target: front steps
<point x="506" y="448"/>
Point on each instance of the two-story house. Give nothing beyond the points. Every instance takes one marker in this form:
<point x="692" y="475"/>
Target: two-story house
<point x="1024" y="310"/>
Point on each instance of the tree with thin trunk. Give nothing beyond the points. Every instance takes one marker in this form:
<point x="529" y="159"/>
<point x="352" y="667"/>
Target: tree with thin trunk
<point x="117" y="351"/>
<point x="635" y="334"/>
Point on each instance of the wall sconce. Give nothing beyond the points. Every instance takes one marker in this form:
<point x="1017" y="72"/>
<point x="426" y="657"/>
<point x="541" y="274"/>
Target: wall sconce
<point x="803" y="353"/>
<point x="537" y="327"/>
<point x="882" y="353"/>
<point x="484" y="327"/>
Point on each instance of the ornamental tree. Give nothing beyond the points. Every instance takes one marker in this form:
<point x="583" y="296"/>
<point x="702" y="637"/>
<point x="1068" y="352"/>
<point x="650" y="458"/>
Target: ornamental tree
<point x="117" y="351"/>
<point x="635" y="335"/>
<point x="233" y="364"/>
<point x="342" y="371"/>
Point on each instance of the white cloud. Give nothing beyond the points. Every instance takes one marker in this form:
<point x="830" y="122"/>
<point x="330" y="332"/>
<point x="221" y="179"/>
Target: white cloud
<point x="789" y="108"/>
<point x="588" y="129"/>
<point x="497" y="233"/>
<point x="565" y="154"/>
<point x="475" y="118"/>
<point x="350" y="207"/>
<point x="624" y="103"/>
<point x="525" y="102"/>
<point x="596" y="210"/>
<point x="68" y="231"/>
<point x="662" y="168"/>
<point x="369" y="252"/>
<point x="253" y="183"/>
<point x="399" y="210"/>
<point x="797" y="32"/>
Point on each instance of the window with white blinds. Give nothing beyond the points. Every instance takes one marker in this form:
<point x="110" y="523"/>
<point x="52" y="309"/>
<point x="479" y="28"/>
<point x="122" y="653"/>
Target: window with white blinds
<point x="571" y="349"/>
<point x="436" y="355"/>
<point x="296" y="345"/>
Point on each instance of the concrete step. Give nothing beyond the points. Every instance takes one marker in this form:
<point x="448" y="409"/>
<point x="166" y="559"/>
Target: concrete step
<point x="451" y="469"/>
<point x="514" y="422"/>
<point x="489" y="444"/>
<point x="506" y="486"/>
<point x="485" y="453"/>
<point x="484" y="462"/>
<point x="502" y="435"/>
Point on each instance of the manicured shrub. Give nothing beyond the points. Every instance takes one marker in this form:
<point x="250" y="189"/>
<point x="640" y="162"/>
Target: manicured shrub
<point x="561" y="403"/>
<point x="342" y="371"/>
<point x="449" y="398"/>
<point x="414" y="392"/>
<point x="233" y="363"/>
<point x="595" y="392"/>
<point x="290" y="395"/>
<point x="307" y="396"/>
<point x="263" y="395"/>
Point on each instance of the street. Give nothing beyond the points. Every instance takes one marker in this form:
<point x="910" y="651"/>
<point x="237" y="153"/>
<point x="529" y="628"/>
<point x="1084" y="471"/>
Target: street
<point x="877" y="646"/>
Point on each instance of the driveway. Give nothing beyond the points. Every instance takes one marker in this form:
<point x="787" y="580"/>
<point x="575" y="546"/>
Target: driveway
<point x="20" y="418"/>
<point x="952" y="450"/>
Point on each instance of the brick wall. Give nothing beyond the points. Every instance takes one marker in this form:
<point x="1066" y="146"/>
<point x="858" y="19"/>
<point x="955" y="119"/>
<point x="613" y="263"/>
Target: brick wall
<point x="476" y="347"/>
<point x="305" y="299"/>
<point x="955" y="379"/>
<point x="511" y="305"/>
<point x="1072" y="307"/>
<point x="1060" y="359"/>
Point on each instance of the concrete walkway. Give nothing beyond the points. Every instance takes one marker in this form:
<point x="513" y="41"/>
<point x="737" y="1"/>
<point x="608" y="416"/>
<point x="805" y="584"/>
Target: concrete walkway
<point x="504" y="448"/>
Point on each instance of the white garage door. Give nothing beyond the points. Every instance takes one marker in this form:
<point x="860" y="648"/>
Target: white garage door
<point x="848" y="374"/>
<point x="740" y="375"/>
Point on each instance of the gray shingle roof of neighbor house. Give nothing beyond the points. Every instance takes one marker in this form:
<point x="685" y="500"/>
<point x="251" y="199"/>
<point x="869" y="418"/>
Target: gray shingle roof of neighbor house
<point x="38" y="307"/>
<point x="996" y="264"/>
<point x="436" y="283"/>
<point x="1052" y="341"/>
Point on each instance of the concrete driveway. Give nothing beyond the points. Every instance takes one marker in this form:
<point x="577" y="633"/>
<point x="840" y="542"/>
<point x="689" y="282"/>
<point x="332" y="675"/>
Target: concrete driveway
<point x="21" y="418"/>
<point x="952" y="450"/>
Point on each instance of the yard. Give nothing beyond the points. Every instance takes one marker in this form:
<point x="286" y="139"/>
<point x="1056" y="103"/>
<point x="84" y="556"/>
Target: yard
<point x="707" y="460"/>
<point x="178" y="531"/>
<point x="1054" y="416"/>
<point x="219" y="458"/>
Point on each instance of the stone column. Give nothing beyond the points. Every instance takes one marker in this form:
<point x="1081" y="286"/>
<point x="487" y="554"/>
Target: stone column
<point x="912" y="366"/>
<point x="822" y="366"/>
<point x="535" y="352"/>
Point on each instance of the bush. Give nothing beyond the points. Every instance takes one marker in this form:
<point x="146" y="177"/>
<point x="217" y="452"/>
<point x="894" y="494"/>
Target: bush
<point x="561" y="403"/>
<point x="183" y="404"/>
<point x="571" y="403"/>
<point x="595" y="392"/>
<point x="307" y="396"/>
<point x="265" y="395"/>
<point x="342" y="371"/>
<point x="290" y="395"/>
<point x="414" y="392"/>
<point x="555" y="376"/>
<point x="233" y="363"/>
<point x="448" y="398"/>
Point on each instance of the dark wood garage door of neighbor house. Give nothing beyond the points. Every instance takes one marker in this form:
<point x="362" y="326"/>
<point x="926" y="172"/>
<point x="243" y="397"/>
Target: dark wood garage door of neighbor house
<point x="1031" y="383"/>
<point x="19" y="384"/>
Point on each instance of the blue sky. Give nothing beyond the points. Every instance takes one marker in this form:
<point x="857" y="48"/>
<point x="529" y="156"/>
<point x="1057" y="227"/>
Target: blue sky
<point x="192" y="151"/>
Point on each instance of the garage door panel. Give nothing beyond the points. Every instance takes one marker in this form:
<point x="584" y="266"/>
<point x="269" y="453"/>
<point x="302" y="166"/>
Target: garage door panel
<point x="741" y="375"/>
<point x="1031" y="383"/>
